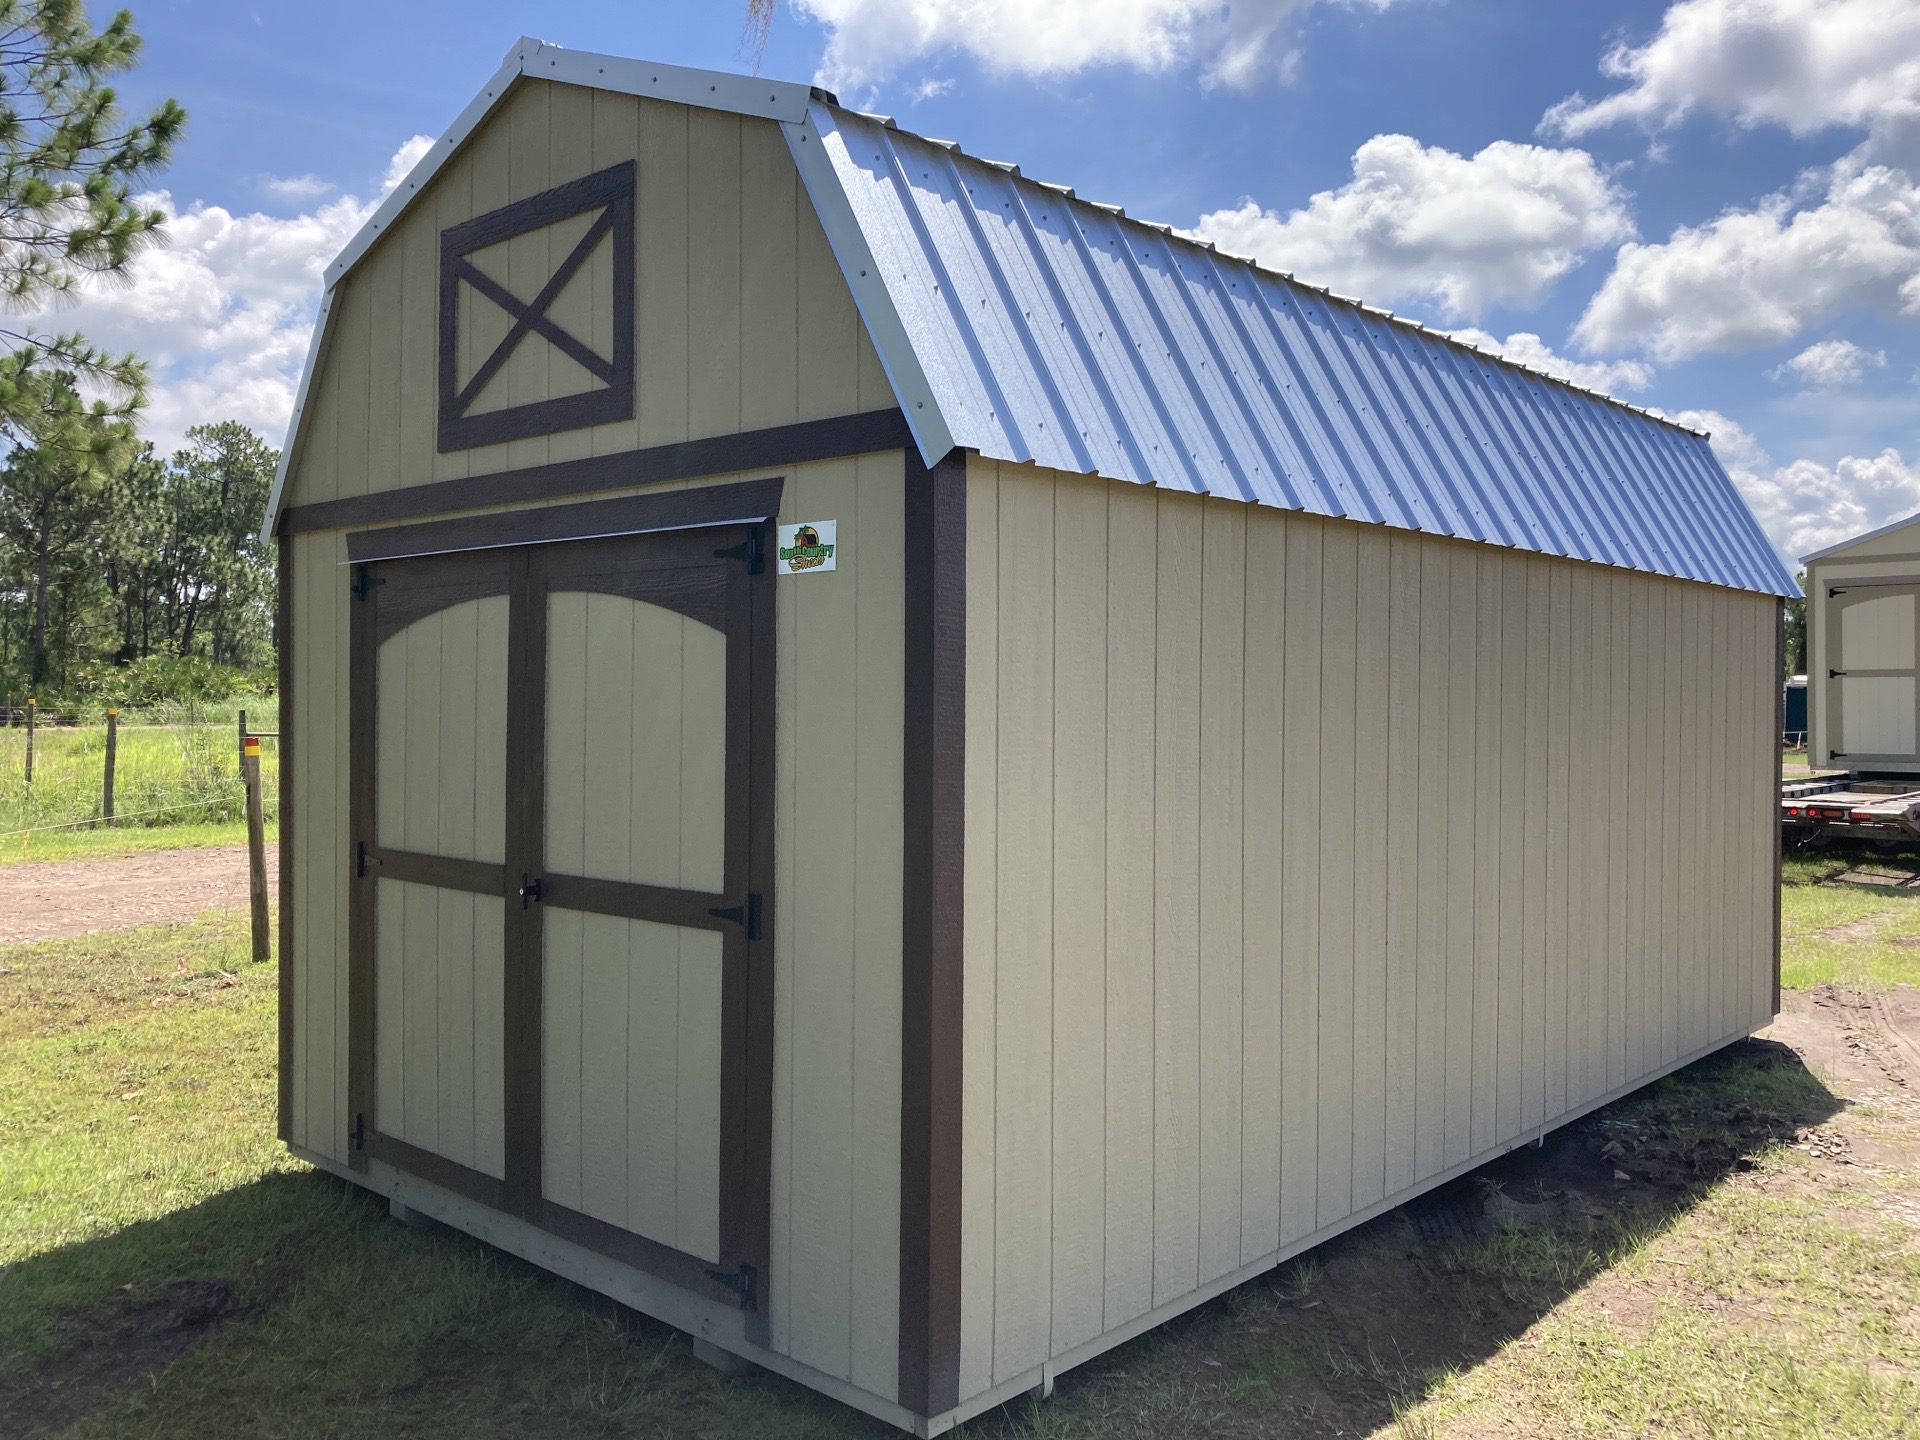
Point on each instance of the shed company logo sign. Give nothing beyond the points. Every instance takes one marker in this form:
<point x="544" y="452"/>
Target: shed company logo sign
<point x="808" y="547"/>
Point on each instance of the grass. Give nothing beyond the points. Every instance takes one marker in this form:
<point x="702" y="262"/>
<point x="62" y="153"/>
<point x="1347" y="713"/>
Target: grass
<point x="1860" y="937"/>
<point x="99" y="843"/>
<point x="1752" y="1289"/>
<point x="164" y="775"/>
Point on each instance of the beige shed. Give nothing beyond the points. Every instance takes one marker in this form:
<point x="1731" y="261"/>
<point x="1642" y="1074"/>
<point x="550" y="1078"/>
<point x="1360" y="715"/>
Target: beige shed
<point x="915" y="776"/>
<point x="1863" y="652"/>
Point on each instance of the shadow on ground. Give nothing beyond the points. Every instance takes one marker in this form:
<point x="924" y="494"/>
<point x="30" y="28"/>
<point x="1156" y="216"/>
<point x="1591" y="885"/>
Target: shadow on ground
<point x="292" y="1305"/>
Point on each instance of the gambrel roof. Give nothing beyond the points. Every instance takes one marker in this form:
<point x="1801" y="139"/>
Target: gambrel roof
<point x="1020" y="321"/>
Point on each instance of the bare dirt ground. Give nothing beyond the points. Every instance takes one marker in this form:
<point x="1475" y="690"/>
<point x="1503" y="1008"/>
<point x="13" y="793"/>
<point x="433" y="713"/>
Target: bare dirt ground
<point x="46" y="900"/>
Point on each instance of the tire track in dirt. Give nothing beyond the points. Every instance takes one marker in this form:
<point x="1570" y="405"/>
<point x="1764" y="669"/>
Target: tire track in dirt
<point x="54" y="899"/>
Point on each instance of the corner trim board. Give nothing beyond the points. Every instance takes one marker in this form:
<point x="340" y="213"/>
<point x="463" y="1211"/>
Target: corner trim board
<point x="778" y="446"/>
<point x="285" y="847"/>
<point x="932" y="953"/>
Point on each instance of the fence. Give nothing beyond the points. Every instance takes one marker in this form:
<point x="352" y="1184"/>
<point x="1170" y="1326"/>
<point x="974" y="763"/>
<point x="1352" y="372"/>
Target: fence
<point x="127" y="770"/>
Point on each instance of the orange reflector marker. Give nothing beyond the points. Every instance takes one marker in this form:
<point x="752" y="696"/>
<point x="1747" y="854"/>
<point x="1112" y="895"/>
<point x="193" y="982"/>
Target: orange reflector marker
<point x="253" y="745"/>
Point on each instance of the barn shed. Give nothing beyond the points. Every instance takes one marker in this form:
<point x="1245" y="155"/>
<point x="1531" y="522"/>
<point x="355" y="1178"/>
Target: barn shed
<point x="1863" y="652"/>
<point x="914" y="776"/>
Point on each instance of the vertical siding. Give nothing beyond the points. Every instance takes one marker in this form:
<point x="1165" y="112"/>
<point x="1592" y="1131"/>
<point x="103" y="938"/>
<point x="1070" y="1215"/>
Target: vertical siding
<point x="834" y="1290"/>
<point x="743" y="319"/>
<point x="1307" y="861"/>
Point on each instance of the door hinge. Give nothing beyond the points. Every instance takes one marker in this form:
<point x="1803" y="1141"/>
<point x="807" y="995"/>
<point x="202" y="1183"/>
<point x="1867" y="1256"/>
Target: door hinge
<point x="529" y="889"/>
<point x="747" y="915"/>
<point x="364" y="580"/>
<point x="1835" y="674"/>
<point x="741" y="1282"/>
<point x="364" y="860"/>
<point x="359" y="1135"/>
<point x="749" y="550"/>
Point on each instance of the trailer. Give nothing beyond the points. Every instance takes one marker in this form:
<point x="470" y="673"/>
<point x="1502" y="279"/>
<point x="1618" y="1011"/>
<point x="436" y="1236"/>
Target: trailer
<point x="1815" y="812"/>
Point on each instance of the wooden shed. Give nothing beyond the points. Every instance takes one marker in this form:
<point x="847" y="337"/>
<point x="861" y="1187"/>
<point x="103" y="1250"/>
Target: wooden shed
<point x="1863" y="652"/>
<point x="915" y="776"/>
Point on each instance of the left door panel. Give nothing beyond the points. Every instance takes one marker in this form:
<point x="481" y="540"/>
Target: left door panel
<point x="430" y="710"/>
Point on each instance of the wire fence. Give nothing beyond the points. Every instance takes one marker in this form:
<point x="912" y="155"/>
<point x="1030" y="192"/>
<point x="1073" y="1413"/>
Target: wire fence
<point x="166" y="773"/>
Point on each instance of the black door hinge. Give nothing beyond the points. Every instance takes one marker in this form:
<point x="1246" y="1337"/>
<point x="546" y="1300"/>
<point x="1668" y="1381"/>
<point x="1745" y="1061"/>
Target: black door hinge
<point x="359" y="1135"/>
<point x="364" y="580"/>
<point x="749" y="550"/>
<point x="1835" y="674"/>
<point x="363" y="861"/>
<point x="741" y="1282"/>
<point x="529" y="889"/>
<point x="747" y="915"/>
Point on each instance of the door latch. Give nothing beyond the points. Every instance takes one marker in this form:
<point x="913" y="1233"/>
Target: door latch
<point x="746" y="916"/>
<point x="529" y="889"/>
<point x="741" y="1283"/>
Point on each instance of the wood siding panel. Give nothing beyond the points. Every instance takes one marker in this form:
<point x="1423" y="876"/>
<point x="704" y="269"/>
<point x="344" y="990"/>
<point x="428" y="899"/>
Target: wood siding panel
<point x="1339" y="923"/>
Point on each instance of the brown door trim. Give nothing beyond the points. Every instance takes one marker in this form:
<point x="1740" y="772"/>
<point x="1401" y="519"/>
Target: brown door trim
<point x="779" y="446"/>
<point x="932" y="990"/>
<point x="667" y="510"/>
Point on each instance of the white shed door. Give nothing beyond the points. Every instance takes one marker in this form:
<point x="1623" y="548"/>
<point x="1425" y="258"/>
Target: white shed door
<point x="1874" y="671"/>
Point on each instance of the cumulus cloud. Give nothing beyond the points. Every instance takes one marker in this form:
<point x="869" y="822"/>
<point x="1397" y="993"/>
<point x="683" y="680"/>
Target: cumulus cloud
<point x="223" y="313"/>
<point x="1806" y="506"/>
<point x="1423" y="223"/>
<point x="1234" y="42"/>
<point x="1759" y="277"/>
<point x="1802" y="64"/>
<point x="1832" y="364"/>
<point x="1526" y="348"/>
<point x="298" y="187"/>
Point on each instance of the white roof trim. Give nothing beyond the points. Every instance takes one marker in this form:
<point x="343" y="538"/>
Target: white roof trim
<point x="1846" y="545"/>
<point x="898" y="357"/>
<point x="710" y="89"/>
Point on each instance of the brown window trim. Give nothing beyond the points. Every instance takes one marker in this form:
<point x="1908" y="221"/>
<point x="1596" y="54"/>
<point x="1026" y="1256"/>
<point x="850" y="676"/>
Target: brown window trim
<point x="609" y="191"/>
<point x="779" y="446"/>
<point x="932" y="989"/>
<point x="749" y="502"/>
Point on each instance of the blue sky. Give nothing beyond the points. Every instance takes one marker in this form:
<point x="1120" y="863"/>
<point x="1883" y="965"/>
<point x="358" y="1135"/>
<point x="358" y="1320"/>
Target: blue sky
<point x="1711" y="206"/>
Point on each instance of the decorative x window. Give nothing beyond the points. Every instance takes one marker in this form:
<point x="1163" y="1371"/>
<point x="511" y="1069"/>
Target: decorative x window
<point x="610" y="377"/>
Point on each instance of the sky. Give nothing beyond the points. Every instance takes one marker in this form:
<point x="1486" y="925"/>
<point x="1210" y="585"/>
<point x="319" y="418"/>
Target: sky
<point x="1709" y="207"/>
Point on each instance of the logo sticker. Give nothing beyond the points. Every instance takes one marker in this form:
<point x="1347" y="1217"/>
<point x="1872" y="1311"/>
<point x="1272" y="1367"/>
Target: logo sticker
<point x="808" y="547"/>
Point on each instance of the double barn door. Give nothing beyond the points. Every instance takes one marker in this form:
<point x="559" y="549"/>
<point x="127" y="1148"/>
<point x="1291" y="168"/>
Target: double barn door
<point x="1873" y="671"/>
<point x="562" y="1003"/>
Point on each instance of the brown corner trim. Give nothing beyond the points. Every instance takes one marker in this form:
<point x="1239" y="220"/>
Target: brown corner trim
<point x="748" y="502"/>
<point x="285" y="750"/>
<point x="781" y="445"/>
<point x="931" y="985"/>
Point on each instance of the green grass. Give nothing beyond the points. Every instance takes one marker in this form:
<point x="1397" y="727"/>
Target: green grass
<point x="101" y="843"/>
<point x="186" y="773"/>
<point x="1859" y="937"/>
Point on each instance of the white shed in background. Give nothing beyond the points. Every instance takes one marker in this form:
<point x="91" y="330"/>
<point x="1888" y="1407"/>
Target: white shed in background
<point x="1863" y="652"/>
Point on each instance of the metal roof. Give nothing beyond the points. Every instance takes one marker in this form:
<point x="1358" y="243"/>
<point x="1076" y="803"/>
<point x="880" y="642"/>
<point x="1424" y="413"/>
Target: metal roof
<point x="1042" y="328"/>
<point x="1018" y="321"/>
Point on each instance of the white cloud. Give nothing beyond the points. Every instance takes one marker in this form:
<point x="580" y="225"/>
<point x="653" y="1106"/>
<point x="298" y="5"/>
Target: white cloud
<point x="1526" y="348"/>
<point x="1802" y="64"/>
<point x="1419" y="222"/>
<point x="1759" y="277"/>
<point x="1832" y="364"/>
<point x="299" y="187"/>
<point x="1235" y="42"/>
<point x="223" y="312"/>
<point x="1806" y="506"/>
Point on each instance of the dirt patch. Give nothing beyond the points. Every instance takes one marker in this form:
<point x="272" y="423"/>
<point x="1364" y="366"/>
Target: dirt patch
<point x="47" y="900"/>
<point x="139" y="1337"/>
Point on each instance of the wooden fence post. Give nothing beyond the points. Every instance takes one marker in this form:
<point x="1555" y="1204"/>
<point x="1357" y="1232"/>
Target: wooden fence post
<point x="256" y="848"/>
<point x="29" y="739"/>
<point x="113" y="745"/>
